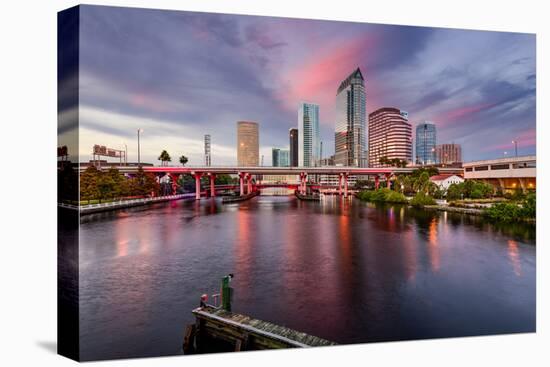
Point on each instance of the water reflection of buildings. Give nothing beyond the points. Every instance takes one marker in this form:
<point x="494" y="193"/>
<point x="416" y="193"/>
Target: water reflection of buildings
<point x="244" y="259"/>
<point x="433" y="247"/>
<point x="513" y="255"/>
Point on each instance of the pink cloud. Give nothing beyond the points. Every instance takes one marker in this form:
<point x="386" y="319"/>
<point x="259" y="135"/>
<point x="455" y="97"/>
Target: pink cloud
<point x="526" y="139"/>
<point x="461" y="112"/>
<point x="317" y="78"/>
<point x="148" y="102"/>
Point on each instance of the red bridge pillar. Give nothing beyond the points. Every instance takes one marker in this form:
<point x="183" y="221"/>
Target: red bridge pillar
<point x="197" y="185"/>
<point x="345" y="176"/>
<point x="340" y="184"/>
<point x="174" y="177"/>
<point x="212" y="184"/>
<point x="241" y="183"/>
<point x="388" y="182"/>
<point x="376" y="182"/>
<point x="248" y="183"/>
<point x="303" y="182"/>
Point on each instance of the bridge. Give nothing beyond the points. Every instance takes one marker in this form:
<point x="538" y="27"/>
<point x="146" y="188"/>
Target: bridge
<point x="246" y="174"/>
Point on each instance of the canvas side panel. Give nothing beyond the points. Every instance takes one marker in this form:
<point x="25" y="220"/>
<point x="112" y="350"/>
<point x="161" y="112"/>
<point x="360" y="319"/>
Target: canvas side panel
<point x="67" y="183"/>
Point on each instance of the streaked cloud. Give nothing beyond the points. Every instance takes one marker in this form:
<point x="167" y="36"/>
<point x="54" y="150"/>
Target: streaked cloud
<point x="180" y="75"/>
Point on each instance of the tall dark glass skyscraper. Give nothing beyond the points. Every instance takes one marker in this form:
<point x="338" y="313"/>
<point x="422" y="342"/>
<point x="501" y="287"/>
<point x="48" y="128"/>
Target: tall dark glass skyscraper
<point x="425" y="143"/>
<point x="293" y="137"/>
<point x="350" y="130"/>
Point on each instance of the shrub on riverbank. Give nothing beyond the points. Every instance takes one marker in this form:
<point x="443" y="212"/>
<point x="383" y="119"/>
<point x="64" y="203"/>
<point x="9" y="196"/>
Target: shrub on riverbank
<point x="469" y="189"/>
<point x="420" y="200"/>
<point x="382" y="196"/>
<point x="510" y="212"/>
<point x="504" y="212"/>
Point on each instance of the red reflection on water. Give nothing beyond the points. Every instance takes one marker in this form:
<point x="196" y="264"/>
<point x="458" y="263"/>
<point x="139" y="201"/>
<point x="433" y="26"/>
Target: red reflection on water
<point x="513" y="255"/>
<point x="243" y="256"/>
<point x="433" y="246"/>
<point x="122" y="234"/>
<point x="410" y="255"/>
<point x="345" y="242"/>
<point x="391" y="219"/>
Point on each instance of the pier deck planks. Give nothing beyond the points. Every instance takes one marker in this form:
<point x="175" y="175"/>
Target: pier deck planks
<point x="263" y="332"/>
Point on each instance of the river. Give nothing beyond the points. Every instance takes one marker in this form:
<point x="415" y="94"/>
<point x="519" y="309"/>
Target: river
<point x="344" y="270"/>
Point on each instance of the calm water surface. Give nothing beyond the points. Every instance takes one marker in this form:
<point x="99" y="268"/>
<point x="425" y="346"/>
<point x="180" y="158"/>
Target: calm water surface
<point x="343" y="270"/>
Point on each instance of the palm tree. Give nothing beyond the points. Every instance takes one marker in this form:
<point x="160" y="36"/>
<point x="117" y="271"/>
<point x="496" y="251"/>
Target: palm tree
<point x="183" y="160"/>
<point x="164" y="158"/>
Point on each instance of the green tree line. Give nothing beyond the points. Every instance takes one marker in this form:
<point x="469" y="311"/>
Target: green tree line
<point x="111" y="184"/>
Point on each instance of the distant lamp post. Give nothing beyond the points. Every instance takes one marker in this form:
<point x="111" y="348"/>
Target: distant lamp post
<point x="125" y="154"/>
<point x="139" y="131"/>
<point x="515" y="142"/>
<point x="505" y="154"/>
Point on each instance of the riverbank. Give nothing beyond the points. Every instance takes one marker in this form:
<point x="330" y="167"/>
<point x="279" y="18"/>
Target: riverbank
<point x="455" y="209"/>
<point x="122" y="204"/>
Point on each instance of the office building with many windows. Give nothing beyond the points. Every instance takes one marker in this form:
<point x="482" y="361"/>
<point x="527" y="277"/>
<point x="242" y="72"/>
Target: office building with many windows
<point x="248" y="147"/>
<point x="308" y="134"/>
<point x="350" y="128"/>
<point x="426" y="141"/>
<point x="293" y="141"/>
<point x="448" y="153"/>
<point x="280" y="157"/>
<point x="390" y="136"/>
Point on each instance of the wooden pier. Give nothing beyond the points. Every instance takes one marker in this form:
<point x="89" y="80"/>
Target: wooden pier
<point x="236" y="332"/>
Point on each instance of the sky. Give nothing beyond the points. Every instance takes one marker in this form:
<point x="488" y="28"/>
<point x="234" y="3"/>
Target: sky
<point x="179" y="75"/>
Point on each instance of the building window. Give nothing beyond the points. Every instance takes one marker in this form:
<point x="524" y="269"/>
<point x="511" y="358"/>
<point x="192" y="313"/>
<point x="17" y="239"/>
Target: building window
<point x="500" y="166"/>
<point x="482" y="168"/>
<point x="468" y="169"/>
<point x="525" y="165"/>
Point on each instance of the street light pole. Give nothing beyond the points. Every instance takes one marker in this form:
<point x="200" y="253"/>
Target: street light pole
<point x="516" y="146"/>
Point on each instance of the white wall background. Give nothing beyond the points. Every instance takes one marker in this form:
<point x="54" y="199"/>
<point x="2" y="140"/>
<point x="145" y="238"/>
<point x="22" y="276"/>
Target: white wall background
<point x="28" y="135"/>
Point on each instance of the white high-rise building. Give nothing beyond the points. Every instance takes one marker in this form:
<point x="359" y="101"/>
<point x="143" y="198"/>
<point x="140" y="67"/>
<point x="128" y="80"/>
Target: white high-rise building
<point x="308" y="135"/>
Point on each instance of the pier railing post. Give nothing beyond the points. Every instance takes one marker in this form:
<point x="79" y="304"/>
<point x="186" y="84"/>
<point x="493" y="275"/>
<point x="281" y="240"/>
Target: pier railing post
<point x="226" y="292"/>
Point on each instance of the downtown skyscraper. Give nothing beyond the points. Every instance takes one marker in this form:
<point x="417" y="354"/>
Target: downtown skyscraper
<point x="293" y="143"/>
<point x="390" y="136"/>
<point x="248" y="147"/>
<point x="448" y="153"/>
<point x="308" y="135"/>
<point x="280" y="157"/>
<point x="350" y="129"/>
<point x="426" y="140"/>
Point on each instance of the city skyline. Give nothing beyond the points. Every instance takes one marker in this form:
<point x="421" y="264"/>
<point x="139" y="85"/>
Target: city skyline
<point x="484" y="93"/>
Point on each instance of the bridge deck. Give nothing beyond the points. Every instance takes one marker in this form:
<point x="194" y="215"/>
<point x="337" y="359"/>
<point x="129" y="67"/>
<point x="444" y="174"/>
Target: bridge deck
<point x="261" y="333"/>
